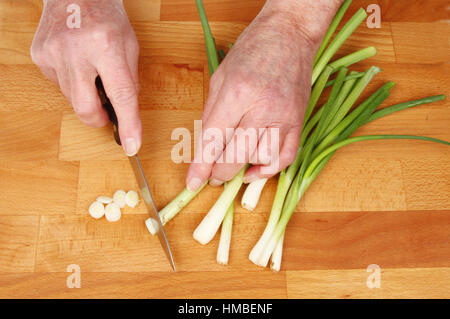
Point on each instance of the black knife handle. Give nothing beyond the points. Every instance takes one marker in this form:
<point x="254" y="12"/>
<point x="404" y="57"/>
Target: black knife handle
<point x="106" y="103"/>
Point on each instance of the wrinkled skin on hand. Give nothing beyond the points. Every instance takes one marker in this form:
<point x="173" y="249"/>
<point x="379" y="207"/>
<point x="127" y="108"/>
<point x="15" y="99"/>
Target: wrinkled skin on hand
<point x="264" y="82"/>
<point x="104" y="45"/>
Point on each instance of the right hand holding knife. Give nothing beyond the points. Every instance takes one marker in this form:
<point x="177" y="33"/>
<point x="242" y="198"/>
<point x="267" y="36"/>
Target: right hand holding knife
<point x="105" y="45"/>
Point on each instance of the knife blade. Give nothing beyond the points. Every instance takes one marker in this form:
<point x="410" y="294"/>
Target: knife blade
<point x="138" y="173"/>
<point x="151" y="206"/>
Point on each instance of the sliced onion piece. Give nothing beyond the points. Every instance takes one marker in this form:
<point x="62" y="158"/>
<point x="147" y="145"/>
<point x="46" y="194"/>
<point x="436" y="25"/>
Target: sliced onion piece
<point x="112" y="212"/>
<point x="152" y="225"/>
<point x="119" y="198"/>
<point x="104" y="199"/>
<point x="132" y="199"/>
<point x="96" y="210"/>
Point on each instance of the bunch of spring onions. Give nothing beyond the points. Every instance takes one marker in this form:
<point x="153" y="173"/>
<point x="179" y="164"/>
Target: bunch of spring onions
<point x="325" y="130"/>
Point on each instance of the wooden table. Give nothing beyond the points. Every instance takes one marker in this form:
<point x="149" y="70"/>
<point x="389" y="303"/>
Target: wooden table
<point x="383" y="203"/>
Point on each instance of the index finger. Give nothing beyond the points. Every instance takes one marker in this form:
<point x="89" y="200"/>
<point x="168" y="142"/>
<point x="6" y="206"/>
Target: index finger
<point x="121" y="90"/>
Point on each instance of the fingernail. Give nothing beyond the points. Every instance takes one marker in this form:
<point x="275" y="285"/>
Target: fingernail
<point x="194" y="184"/>
<point x="250" y="178"/>
<point x="130" y="147"/>
<point x="215" y="182"/>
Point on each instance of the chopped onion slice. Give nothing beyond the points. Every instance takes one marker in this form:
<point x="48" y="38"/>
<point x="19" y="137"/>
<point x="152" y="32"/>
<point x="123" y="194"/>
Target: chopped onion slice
<point x="104" y="199"/>
<point x="96" y="210"/>
<point x="132" y="199"/>
<point x="152" y="225"/>
<point x="112" y="212"/>
<point x="119" y="198"/>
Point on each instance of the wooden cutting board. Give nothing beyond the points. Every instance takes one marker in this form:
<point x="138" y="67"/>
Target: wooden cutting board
<point x="382" y="203"/>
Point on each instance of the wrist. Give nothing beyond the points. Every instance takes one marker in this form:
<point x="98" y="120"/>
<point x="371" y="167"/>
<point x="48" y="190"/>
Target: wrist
<point x="310" y="18"/>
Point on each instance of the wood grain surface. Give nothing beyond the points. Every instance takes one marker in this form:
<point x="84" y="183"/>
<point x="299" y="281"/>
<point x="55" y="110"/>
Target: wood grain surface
<point x="383" y="203"/>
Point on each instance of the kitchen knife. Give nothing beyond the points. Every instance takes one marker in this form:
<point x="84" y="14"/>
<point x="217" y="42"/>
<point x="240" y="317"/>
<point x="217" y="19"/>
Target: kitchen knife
<point x="138" y="172"/>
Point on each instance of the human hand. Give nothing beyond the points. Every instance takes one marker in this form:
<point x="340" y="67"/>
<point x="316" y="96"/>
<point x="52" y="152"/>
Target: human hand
<point x="264" y="82"/>
<point x="104" y="45"/>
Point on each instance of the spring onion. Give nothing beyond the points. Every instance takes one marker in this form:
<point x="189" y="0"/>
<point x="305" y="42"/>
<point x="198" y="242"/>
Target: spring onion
<point x="177" y="204"/>
<point x="353" y="58"/>
<point x="339" y="39"/>
<point x="223" y="251"/>
<point x="300" y="187"/>
<point x="211" y="222"/>
<point x="275" y="264"/>
<point x="211" y="52"/>
<point x="333" y="26"/>
<point x="352" y="75"/>
<point x="252" y="193"/>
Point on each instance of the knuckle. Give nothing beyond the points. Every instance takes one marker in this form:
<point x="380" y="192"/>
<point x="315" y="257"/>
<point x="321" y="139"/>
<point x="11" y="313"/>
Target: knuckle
<point x="266" y="95"/>
<point x="52" y="47"/>
<point x="242" y="87"/>
<point x="272" y="98"/>
<point x="105" y="35"/>
<point x="36" y="51"/>
<point x="89" y="115"/>
<point x="288" y="156"/>
<point x="134" y="46"/>
<point x="137" y="47"/>
<point x="123" y="95"/>
<point x="84" y="110"/>
<point x="201" y="169"/>
<point x="222" y="172"/>
<point x="36" y="55"/>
